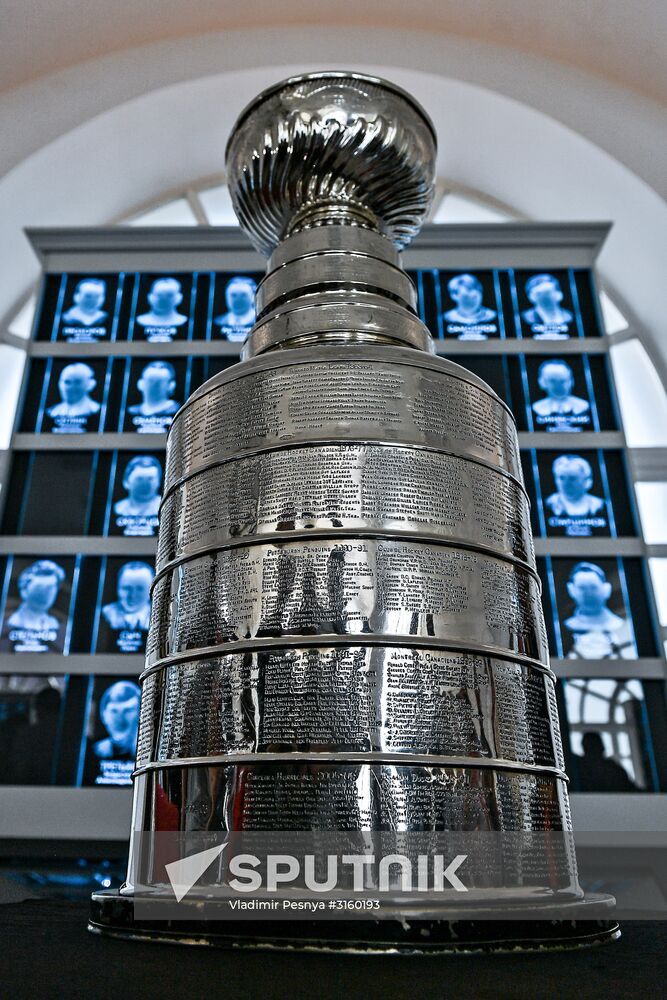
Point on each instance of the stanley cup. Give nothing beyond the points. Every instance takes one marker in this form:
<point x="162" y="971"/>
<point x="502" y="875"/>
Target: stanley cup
<point x="346" y="632"/>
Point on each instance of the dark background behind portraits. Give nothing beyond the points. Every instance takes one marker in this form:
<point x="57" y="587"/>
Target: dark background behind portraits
<point x="11" y="568"/>
<point x="31" y="727"/>
<point x="503" y="374"/>
<point x="540" y="484"/>
<point x="57" y="299"/>
<point x="140" y="305"/>
<point x="50" y="493"/>
<point x="42" y="392"/>
<point x="554" y="573"/>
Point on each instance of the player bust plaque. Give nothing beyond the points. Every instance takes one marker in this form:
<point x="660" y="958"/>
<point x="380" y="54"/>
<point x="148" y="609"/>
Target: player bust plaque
<point x="346" y="636"/>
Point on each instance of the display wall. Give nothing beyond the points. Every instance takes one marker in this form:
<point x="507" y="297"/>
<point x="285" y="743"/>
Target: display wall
<point x="129" y="324"/>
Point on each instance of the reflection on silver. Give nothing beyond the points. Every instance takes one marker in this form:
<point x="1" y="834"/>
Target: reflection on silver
<point x="338" y="699"/>
<point x="381" y="394"/>
<point x="346" y="630"/>
<point x="355" y="796"/>
<point x="365" y="147"/>
<point x="350" y="586"/>
<point x="351" y="487"/>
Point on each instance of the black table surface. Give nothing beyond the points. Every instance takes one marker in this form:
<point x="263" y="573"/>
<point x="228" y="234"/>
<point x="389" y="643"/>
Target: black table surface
<point x="45" y="951"/>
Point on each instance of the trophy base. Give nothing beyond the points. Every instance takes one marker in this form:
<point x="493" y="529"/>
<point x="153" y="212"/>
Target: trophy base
<point x="484" y="928"/>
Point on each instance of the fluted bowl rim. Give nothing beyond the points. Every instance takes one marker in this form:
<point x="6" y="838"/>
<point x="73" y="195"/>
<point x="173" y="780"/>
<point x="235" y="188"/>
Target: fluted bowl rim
<point x="332" y="74"/>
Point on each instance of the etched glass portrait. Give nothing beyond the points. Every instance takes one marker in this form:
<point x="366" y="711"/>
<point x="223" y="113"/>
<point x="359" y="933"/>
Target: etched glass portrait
<point x="110" y="752"/>
<point x="163" y="308"/>
<point x="36" y="611"/>
<point x="86" y="308"/>
<point x="574" y="507"/>
<point x="470" y="318"/>
<point x="155" y="387"/>
<point x="548" y="316"/>
<point x="136" y="511"/>
<point x="125" y="618"/>
<point x="71" y="414"/>
<point x="595" y="622"/>
<point x="88" y="302"/>
<point x="234" y="324"/>
<point x="560" y="408"/>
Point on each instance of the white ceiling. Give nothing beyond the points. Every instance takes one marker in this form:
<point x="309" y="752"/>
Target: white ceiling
<point x="555" y="107"/>
<point x="622" y="41"/>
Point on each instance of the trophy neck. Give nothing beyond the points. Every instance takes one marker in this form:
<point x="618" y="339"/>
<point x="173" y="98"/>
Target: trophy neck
<point x="335" y="280"/>
<point x="331" y="174"/>
<point x="334" y="213"/>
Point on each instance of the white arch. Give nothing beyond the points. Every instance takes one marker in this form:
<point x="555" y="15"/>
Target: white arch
<point x="523" y="156"/>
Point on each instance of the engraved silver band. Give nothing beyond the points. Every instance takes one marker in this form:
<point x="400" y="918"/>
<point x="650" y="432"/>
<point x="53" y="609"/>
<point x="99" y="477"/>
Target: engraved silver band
<point x="343" y="238"/>
<point x="341" y="757"/>
<point x="351" y="700"/>
<point x="350" y="639"/>
<point x="323" y="442"/>
<point x="337" y="270"/>
<point x="368" y="316"/>
<point x="390" y="355"/>
<point x="339" y="534"/>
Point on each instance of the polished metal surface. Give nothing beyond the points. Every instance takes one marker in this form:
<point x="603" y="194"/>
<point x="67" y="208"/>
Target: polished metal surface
<point x="330" y="796"/>
<point x="341" y="488"/>
<point x="348" y="586"/>
<point x="331" y="146"/>
<point x="396" y="701"/>
<point x="351" y="394"/>
<point x="346" y="629"/>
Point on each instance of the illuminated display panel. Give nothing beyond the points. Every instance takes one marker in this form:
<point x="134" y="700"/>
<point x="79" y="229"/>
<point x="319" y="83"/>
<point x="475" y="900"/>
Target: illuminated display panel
<point x="162" y="309"/>
<point x="554" y="304"/>
<point x="109" y="733"/>
<point x="37" y="603"/>
<point x="50" y="493"/>
<point x="153" y="390"/>
<point x="135" y="490"/>
<point x="81" y="308"/>
<point x="613" y="733"/>
<point x="550" y="393"/>
<point x="568" y="394"/>
<point x="85" y="396"/>
<point x="578" y="494"/>
<point x="60" y="729"/>
<point x="486" y="304"/>
<point x="123" y="606"/>
<point x="157" y="307"/>
<point x="597" y="608"/>
<point x="232" y="305"/>
<point x="66" y="396"/>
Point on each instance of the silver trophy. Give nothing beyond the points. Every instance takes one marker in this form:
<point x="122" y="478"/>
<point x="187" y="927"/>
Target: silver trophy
<point x="346" y="636"/>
